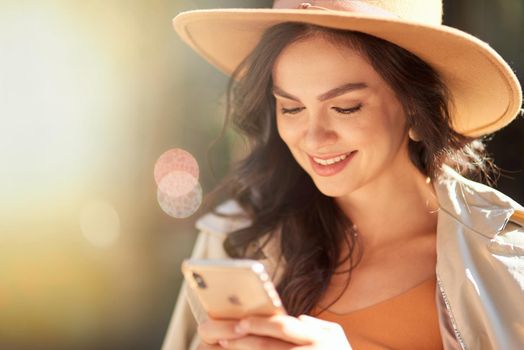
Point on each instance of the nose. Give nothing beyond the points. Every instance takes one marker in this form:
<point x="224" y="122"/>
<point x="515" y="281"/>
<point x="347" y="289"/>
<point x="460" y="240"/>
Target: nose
<point x="319" y="134"/>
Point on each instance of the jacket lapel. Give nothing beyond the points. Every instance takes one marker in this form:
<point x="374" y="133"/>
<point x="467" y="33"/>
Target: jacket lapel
<point x="471" y="303"/>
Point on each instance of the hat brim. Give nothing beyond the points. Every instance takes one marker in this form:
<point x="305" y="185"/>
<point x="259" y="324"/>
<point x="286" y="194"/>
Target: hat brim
<point x="486" y="93"/>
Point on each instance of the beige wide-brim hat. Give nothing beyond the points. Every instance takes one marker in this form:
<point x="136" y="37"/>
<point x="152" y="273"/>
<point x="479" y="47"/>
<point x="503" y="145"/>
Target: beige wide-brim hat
<point x="485" y="91"/>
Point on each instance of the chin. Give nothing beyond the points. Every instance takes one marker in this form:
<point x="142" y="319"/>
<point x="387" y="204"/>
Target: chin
<point x="332" y="191"/>
<point x="331" y="194"/>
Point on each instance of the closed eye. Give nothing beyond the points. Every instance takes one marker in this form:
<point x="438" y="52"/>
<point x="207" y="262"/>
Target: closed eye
<point x="291" y="110"/>
<point x="348" y="110"/>
<point x="339" y="110"/>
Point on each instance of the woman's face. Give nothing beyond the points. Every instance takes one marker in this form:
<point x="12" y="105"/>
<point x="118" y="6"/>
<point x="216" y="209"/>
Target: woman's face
<point x="332" y="107"/>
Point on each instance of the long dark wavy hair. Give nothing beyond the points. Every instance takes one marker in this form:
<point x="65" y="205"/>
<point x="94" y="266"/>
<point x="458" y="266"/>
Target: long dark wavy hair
<point x="276" y="194"/>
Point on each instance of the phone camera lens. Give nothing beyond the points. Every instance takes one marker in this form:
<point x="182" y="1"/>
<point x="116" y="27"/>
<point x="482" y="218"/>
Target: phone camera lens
<point x="199" y="281"/>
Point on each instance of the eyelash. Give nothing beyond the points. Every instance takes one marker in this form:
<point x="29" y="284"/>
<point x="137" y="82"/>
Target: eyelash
<point x="339" y="110"/>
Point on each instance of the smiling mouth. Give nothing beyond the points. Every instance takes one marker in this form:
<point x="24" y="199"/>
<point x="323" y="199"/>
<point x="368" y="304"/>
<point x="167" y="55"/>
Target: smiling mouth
<point x="330" y="166"/>
<point x="330" y="161"/>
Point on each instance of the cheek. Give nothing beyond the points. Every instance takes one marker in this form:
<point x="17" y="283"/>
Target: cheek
<point x="288" y="132"/>
<point x="383" y="128"/>
<point x="395" y="130"/>
<point x="358" y="134"/>
<point x="290" y="136"/>
<point x="394" y="120"/>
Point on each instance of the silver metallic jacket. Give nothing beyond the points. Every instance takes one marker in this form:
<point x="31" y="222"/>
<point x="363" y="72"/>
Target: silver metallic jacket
<point x="480" y="268"/>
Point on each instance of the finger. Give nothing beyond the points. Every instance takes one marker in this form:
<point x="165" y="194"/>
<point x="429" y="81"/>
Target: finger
<point x="284" y="327"/>
<point x="334" y="335"/>
<point x="316" y="321"/>
<point x="213" y="330"/>
<point x="253" y="342"/>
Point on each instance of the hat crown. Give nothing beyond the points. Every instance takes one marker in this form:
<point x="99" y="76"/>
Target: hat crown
<point x="426" y="11"/>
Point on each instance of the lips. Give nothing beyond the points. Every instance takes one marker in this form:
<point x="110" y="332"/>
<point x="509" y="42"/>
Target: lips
<point x="330" y="160"/>
<point x="331" y="169"/>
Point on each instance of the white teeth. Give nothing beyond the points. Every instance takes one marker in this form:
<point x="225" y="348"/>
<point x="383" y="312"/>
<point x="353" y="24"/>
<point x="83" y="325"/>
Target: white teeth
<point x="331" y="160"/>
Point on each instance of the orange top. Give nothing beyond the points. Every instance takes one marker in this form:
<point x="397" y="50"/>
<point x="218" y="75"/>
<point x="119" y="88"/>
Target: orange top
<point x="405" y="321"/>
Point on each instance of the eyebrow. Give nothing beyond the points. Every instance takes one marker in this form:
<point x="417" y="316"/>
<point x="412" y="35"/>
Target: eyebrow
<point x="340" y="90"/>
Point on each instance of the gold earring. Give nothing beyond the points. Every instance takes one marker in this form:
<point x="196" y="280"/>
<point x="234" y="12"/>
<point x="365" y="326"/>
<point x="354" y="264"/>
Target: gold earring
<point x="413" y="135"/>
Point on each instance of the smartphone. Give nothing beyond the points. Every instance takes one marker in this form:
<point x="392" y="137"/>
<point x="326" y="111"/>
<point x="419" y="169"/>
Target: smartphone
<point x="232" y="288"/>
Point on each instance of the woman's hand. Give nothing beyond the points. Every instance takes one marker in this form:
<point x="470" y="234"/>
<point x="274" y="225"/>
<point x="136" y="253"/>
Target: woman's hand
<point x="213" y="330"/>
<point x="276" y="332"/>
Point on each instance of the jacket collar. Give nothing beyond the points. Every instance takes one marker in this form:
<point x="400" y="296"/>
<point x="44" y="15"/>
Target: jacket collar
<point x="475" y="205"/>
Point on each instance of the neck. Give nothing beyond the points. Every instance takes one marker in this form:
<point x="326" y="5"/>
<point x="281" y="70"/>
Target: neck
<point x="397" y="205"/>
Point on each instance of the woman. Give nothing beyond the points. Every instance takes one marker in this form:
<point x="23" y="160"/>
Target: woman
<point x="363" y="121"/>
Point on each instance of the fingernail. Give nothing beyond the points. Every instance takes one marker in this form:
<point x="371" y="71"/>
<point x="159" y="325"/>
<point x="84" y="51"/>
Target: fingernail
<point x="242" y="327"/>
<point x="223" y="343"/>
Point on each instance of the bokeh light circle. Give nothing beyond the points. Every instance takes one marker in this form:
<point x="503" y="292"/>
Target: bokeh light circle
<point x="175" y="159"/>
<point x="177" y="183"/>
<point x="176" y="174"/>
<point x="181" y="206"/>
<point x="100" y="223"/>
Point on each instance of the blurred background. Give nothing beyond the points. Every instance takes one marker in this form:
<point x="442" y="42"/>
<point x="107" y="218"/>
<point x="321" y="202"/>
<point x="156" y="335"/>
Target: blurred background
<point x="91" y="94"/>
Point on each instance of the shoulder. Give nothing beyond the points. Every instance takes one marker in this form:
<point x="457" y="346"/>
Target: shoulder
<point x="227" y="217"/>
<point x="474" y="192"/>
<point x="478" y="206"/>
<point x="214" y="227"/>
